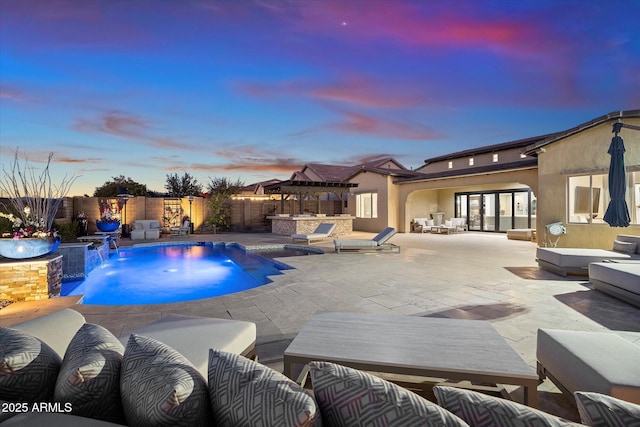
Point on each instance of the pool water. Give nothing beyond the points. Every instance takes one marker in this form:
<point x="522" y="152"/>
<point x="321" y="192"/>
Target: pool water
<point x="173" y="273"/>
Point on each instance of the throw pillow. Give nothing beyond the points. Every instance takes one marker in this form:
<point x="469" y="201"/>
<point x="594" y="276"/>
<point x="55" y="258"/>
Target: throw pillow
<point x="430" y="223"/>
<point x="483" y="410"/>
<point x="348" y="397"/>
<point x="245" y="393"/>
<point x="89" y="378"/>
<point x="28" y="367"/>
<point x="624" y="247"/>
<point x="160" y="387"/>
<point x="599" y="410"/>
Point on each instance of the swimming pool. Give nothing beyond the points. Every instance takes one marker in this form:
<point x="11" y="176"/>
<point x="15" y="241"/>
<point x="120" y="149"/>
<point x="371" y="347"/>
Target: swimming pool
<point x="154" y="274"/>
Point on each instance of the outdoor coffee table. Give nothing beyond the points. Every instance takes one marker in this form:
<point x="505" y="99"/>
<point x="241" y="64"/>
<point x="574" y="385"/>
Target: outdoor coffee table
<point x="451" y="349"/>
<point x="441" y="229"/>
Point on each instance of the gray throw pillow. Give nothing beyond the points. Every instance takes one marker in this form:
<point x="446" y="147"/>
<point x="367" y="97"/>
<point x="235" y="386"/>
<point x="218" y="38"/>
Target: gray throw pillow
<point x="89" y="378"/>
<point x="350" y="398"/>
<point x="245" y="393"/>
<point x="599" y="410"/>
<point x="28" y="367"/>
<point x="160" y="387"/>
<point x="483" y="410"/>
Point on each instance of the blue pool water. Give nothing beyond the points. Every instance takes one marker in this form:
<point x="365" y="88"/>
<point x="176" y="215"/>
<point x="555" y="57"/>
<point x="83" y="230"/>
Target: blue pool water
<point x="172" y="273"/>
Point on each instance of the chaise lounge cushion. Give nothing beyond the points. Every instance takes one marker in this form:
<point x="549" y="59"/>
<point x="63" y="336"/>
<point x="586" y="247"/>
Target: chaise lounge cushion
<point x="377" y="241"/>
<point x="625" y="247"/>
<point x="245" y="393"/>
<point x="598" y="410"/>
<point x="28" y="367"/>
<point x="160" y="387"/>
<point x="181" y="332"/>
<point x="479" y="409"/>
<point x="89" y="378"/>
<point x="345" y="394"/>
<point x="623" y="275"/>
<point x="591" y="361"/>
<point x="577" y="257"/>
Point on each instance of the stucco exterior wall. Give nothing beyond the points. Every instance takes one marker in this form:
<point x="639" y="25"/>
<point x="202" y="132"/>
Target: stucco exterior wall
<point x="419" y="199"/>
<point x="483" y="159"/>
<point x="584" y="152"/>
<point x="369" y="182"/>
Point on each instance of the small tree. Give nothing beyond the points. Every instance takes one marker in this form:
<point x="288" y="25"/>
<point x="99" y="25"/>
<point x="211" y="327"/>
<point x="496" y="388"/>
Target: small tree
<point x="34" y="198"/>
<point x="186" y="185"/>
<point x="119" y="183"/>
<point x="220" y="190"/>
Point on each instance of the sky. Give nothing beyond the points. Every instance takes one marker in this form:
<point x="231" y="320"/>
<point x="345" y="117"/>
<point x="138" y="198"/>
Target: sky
<point x="252" y="90"/>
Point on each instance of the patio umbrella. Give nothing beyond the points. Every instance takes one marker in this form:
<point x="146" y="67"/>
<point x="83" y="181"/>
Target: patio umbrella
<point x="617" y="214"/>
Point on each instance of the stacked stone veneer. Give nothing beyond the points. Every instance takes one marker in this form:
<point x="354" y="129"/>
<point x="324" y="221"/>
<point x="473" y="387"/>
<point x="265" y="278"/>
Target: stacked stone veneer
<point x="286" y="226"/>
<point x="30" y="280"/>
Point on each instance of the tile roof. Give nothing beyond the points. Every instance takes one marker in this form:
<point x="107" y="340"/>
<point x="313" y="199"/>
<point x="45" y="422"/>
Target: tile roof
<point x="526" y="163"/>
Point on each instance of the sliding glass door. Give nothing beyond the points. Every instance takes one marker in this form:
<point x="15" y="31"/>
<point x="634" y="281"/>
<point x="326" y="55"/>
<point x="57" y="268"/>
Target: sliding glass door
<point x="497" y="210"/>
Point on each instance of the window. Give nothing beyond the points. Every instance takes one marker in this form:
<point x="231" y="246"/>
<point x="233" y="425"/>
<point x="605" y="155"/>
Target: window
<point x="450" y="165"/>
<point x="522" y="155"/>
<point x="367" y="205"/>
<point x="588" y="198"/>
<point x="495" y="158"/>
<point x="471" y="161"/>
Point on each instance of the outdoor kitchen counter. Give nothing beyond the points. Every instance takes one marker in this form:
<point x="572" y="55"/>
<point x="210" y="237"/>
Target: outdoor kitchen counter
<point x="288" y="225"/>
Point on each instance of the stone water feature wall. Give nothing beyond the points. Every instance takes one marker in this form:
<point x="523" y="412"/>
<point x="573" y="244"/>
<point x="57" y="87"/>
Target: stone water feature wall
<point x="30" y="280"/>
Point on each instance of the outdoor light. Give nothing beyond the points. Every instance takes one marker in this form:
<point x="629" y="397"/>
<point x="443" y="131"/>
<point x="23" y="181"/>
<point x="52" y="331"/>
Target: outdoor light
<point x="125" y="228"/>
<point x="190" y="197"/>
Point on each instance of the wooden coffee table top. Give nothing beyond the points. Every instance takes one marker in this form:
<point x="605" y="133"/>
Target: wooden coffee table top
<point x="406" y="344"/>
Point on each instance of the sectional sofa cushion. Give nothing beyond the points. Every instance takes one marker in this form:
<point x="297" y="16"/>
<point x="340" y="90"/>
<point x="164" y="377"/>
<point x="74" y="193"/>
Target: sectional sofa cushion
<point x="348" y="398"/>
<point x="599" y="410"/>
<point x="600" y="362"/>
<point x="624" y="247"/>
<point x="482" y="410"/>
<point x="245" y="393"/>
<point x="28" y="367"/>
<point x="160" y="387"/>
<point x="89" y="378"/>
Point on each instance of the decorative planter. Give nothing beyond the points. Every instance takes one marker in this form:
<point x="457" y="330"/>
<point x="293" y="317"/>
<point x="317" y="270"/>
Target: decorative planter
<point x="108" y="226"/>
<point x="28" y="247"/>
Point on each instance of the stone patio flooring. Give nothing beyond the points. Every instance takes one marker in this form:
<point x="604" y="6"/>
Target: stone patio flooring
<point x="466" y="275"/>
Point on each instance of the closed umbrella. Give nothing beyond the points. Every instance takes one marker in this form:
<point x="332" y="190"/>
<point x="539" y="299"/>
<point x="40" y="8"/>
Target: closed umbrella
<point x="617" y="214"/>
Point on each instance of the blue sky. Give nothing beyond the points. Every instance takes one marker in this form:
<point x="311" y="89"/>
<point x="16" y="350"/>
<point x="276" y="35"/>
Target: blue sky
<point x="254" y="89"/>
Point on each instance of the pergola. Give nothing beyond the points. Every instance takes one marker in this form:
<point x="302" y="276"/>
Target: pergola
<point x="304" y="188"/>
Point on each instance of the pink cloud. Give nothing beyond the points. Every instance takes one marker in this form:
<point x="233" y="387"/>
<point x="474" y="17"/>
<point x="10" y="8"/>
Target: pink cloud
<point x="130" y="126"/>
<point x="382" y="128"/>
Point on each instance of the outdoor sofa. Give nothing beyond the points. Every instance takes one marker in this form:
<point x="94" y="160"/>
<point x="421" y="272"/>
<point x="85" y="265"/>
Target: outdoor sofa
<point x="377" y="243"/>
<point x="145" y="229"/>
<point x="150" y="383"/>
<point x="576" y="261"/>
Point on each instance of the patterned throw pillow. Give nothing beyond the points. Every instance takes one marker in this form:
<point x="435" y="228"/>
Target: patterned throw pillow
<point x="89" y="378"/>
<point x="28" y="367"/>
<point x="481" y="410"/>
<point x="160" y="387"/>
<point x="350" y="398"/>
<point x="245" y="393"/>
<point x="599" y="410"/>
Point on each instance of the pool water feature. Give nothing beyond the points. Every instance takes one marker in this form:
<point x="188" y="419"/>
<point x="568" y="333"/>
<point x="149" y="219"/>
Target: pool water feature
<point x="152" y="274"/>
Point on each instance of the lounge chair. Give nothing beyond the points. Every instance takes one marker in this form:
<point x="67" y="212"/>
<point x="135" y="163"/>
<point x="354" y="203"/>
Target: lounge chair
<point x="379" y="242"/>
<point x="181" y="231"/>
<point x="321" y="232"/>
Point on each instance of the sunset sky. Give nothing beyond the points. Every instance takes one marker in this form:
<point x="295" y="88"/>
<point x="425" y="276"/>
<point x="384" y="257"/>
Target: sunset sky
<point x="254" y="89"/>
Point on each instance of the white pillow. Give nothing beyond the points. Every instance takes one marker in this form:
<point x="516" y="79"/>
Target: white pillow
<point x="448" y="223"/>
<point x="430" y="223"/>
